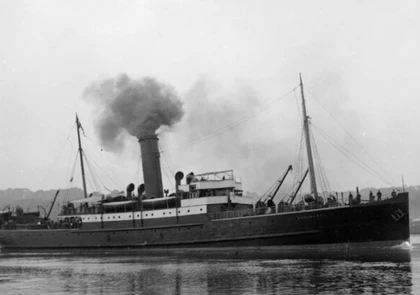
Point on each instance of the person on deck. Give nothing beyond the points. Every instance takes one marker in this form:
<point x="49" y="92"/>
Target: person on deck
<point x="358" y="199"/>
<point x="371" y="197"/>
<point x="350" y="199"/>
<point x="394" y="193"/>
<point x="379" y="195"/>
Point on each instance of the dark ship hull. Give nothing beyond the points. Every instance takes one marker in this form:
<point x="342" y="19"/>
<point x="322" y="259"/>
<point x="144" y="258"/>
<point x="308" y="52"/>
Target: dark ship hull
<point x="383" y="223"/>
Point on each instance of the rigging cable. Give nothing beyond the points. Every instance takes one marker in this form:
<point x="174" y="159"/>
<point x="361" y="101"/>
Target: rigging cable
<point x="60" y="152"/>
<point x="94" y="179"/>
<point x="357" y="143"/>
<point x="238" y="122"/>
<point x="116" y="181"/>
<point x="325" y="186"/>
<point x="70" y="178"/>
<point x="350" y="156"/>
<point x="299" y="159"/>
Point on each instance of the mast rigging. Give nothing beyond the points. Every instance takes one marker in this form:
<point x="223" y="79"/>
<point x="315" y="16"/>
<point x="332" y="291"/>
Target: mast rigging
<point x="308" y="143"/>
<point x="79" y="126"/>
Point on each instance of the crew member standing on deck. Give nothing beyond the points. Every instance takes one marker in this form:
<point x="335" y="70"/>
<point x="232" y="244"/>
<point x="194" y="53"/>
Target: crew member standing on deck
<point x="350" y="199"/>
<point x="371" y="197"/>
<point x="394" y="193"/>
<point x="379" y="195"/>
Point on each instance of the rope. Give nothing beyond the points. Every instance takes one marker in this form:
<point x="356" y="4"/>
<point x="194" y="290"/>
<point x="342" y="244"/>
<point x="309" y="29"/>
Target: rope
<point x="299" y="158"/>
<point x="94" y="178"/>
<point x="351" y="157"/>
<point x="238" y="122"/>
<point x="320" y="168"/>
<point x="357" y="143"/>
<point x="113" y="177"/>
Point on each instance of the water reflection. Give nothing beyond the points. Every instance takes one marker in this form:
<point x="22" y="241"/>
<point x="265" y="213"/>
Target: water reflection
<point x="376" y="272"/>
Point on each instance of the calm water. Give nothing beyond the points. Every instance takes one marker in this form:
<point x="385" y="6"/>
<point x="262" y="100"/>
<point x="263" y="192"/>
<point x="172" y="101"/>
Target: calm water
<point x="390" y="271"/>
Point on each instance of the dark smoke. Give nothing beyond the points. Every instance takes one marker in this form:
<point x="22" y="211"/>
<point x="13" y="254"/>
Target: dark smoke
<point x="139" y="107"/>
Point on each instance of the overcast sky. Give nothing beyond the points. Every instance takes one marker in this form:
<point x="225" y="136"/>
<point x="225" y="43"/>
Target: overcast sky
<point x="228" y="61"/>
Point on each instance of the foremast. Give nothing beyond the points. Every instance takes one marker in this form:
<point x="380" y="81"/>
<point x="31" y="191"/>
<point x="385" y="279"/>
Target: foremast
<point x="79" y="126"/>
<point x="308" y="143"/>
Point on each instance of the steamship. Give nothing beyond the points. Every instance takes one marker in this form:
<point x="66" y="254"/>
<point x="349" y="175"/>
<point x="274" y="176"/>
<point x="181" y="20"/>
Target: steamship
<point x="211" y="211"/>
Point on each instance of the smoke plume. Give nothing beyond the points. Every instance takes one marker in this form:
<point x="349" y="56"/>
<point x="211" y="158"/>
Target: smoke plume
<point x="139" y="107"/>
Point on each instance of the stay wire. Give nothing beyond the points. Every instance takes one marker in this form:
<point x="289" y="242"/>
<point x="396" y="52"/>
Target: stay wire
<point x="357" y="143"/>
<point x="238" y="122"/>
<point x="351" y="156"/>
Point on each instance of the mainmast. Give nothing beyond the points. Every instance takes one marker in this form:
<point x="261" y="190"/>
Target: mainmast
<point x="81" y="155"/>
<point x="308" y="143"/>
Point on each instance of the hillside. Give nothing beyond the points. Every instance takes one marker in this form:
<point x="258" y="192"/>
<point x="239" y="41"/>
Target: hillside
<point x="38" y="200"/>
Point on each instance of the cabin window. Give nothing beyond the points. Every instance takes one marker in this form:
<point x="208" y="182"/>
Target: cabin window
<point x="188" y="211"/>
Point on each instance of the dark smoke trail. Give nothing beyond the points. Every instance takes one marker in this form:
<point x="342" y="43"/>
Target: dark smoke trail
<point x="140" y="107"/>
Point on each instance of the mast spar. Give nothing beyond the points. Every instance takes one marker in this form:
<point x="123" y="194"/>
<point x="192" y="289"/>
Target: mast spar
<point x="308" y="143"/>
<point x="81" y="155"/>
